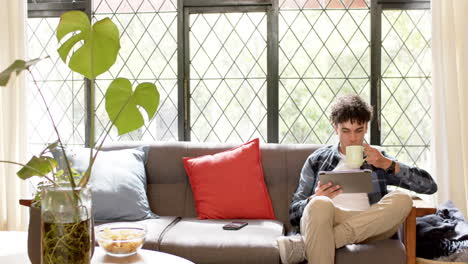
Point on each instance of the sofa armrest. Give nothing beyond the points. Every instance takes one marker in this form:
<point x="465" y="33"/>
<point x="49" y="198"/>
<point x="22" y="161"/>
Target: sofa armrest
<point x="409" y="239"/>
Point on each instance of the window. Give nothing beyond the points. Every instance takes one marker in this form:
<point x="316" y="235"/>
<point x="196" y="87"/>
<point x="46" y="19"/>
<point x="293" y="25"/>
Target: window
<point x="406" y="85"/>
<point x="245" y="69"/>
<point x="324" y="52"/>
<point x="227" y="71"/>
<point x="63" y="90"/>
<point x="148" y="53"/>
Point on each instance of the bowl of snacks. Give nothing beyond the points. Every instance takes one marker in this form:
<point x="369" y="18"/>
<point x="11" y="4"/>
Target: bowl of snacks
<point x="120" y="239"/>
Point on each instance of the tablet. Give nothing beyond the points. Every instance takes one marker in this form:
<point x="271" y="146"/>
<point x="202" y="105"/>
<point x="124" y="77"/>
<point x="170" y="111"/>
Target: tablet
<point x="359" y="181"/>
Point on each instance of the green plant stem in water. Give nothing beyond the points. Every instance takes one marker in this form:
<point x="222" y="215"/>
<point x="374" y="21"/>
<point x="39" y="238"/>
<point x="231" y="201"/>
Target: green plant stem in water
<point x="66" y="242"/>
<point x="75" y="196"/>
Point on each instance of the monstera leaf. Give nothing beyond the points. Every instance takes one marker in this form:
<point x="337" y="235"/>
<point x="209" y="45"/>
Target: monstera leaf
<point x="101" y="43"/>
<point x="17" y="66"/>
<point x="122" y="102"/>
<point x="37" y="166"/>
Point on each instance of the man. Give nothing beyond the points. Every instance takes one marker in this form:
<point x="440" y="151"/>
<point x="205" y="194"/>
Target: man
<point x="328" y="219"/>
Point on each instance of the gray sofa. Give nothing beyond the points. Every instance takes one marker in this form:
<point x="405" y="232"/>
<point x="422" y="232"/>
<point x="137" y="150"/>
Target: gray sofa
<point x="204" y="241"/>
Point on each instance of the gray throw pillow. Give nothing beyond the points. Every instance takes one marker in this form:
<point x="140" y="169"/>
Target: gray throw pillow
<point x="118" y="182"/>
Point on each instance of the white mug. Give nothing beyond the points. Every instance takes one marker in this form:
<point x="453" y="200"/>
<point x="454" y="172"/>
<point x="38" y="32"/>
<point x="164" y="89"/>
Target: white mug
<point x="354" y="156"/>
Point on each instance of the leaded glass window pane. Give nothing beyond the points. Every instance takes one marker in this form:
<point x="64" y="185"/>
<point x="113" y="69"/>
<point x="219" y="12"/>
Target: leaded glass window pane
<point x="228" y="72"/>
<point x="63" y="90"/>
<point x="148" y="30"/>
<point x="406" y="85"/>
<point x="323" y="52"/>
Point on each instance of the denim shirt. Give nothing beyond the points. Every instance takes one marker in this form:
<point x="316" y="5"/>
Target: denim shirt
<point x="327" y="158"/>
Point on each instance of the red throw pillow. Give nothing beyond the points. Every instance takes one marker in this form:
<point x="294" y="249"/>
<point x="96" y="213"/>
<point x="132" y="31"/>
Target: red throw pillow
<point x="230" y="184"/>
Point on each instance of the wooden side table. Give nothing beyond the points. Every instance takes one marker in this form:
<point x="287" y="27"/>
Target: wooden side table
<point x="420" y="208"/>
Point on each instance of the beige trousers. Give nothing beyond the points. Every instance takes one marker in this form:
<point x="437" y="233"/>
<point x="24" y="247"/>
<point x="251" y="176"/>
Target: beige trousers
<point x="326" y="227"/>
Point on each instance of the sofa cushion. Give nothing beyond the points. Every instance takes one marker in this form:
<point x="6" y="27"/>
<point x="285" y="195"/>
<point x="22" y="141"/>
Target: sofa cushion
<point x="230" y="184"/>
<point x="205" y="241"/>
<point x="387" y="251"/>
<point x="118" y="182"/>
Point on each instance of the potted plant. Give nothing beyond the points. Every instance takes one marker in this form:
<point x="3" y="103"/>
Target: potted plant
<point x="67" y="233"/>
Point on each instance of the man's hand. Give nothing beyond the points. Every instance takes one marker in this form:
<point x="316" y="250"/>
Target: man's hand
<point x="329" y="190"/>
<point x="374" y="157"/>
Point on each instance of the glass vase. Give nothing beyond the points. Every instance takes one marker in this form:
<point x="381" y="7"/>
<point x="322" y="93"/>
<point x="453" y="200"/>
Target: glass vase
<point x="67" y="225"/>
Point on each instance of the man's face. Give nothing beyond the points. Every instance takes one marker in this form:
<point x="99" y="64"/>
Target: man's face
<point x="350" y="134"/>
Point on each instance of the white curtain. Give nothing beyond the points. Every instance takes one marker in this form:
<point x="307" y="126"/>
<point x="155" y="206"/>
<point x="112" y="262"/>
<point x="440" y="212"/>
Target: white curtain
<point x="13" y="137"/>
<point x="450" y="100"/>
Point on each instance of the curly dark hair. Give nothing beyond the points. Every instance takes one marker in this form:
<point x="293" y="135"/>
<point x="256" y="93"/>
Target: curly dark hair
<point x="350" y="107"/>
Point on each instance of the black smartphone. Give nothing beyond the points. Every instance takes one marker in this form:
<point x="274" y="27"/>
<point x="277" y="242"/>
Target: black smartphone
<point x="235" y="225"/>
